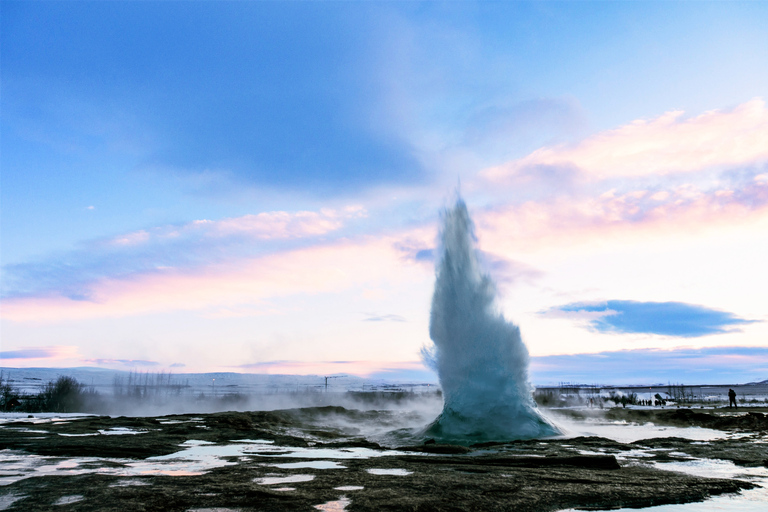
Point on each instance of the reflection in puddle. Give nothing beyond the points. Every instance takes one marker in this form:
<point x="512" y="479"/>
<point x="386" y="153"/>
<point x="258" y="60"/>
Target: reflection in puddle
<point x="748" y="501"/>
<point x="713" y="468"/>
<point x="395" y="472"/>
<point x="624" y="432"/>
<point x="334" y="506"/>
<point x="753" y="500"/>
<point x="194" y="458"/>
<point x="288" y="479"/>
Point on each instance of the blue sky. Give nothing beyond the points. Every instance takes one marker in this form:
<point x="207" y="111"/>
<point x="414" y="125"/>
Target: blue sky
<point x="266" y="177"/>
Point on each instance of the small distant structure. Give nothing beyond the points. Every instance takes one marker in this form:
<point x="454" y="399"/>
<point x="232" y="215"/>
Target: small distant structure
<point x="331" y="377"/>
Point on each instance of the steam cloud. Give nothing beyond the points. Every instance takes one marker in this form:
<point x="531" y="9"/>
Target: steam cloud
<point x="480" y="357"/>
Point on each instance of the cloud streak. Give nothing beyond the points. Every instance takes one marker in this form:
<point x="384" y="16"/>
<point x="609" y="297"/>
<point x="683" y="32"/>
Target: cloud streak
<point x="735" y="199"/>
<point x="228" y="286"/>
<point x="34" y="353"/>
<point x="664" y="145"/>
<point x="171" y="248"/>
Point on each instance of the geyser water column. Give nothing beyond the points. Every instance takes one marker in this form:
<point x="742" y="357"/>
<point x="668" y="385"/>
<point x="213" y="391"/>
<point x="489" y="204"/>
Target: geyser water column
<point x="479" y="356"/>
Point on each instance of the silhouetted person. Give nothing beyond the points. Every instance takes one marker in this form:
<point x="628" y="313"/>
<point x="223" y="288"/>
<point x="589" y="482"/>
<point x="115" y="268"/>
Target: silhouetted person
<point x="732" y="399"/>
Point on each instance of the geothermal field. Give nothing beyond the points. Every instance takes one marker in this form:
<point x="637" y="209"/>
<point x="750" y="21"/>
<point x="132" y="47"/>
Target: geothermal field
<point x="377" y="457"/>
<point x="478" y="441"/>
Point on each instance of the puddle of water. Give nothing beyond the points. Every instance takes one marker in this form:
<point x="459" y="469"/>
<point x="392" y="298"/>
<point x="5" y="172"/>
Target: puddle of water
<point x="66" y="500"/>
<point x="79" y="435"/>
<point x="8" y="418"/>
<point x="121" y="431"/>
<point x="395" y="472"/>
<point x="129" y="483"/>
<point x="636" y="454"/>
<point x="714" y="468"/>
<point x="349" y="488"/>
<point x="312" y="464"/>
<point x="195" y="457"/>
<point x="624" y="432"/>
<point x="284" y="489"/>
<point x="590" y="452"/>
<point x="171" y="472"/>
<point x="326" y="453"/>
<point x="288" y="479"/>
<point x="6" y="500"/>
<point x="335" y="506"/>
<point x="753" y="500"/>
<point x="214" y="509"/>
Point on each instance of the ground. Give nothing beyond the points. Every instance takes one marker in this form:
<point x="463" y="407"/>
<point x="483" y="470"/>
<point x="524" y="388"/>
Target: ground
<point x="298" y="459"/>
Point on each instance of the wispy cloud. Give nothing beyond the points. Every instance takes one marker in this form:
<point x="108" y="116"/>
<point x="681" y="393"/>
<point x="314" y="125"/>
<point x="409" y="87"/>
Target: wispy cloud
<point x="226" y="287"/>
<point x="55" y="352"/>
<point x="370" y="317"/>
<point x="663" y="318"/>
<point x="667" y="144"/>
<point x="173" y="247"/>
<point x="736" y="198"/>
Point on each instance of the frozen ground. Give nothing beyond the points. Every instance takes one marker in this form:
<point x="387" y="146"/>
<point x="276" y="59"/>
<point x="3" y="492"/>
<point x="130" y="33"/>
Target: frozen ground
<point x="340" y="459"/>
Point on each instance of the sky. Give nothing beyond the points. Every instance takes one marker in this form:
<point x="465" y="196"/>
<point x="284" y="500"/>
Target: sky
<point x="257" y="186"/>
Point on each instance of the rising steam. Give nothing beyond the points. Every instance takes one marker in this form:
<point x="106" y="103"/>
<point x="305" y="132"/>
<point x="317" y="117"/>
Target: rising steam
<point x="479" y="356"/>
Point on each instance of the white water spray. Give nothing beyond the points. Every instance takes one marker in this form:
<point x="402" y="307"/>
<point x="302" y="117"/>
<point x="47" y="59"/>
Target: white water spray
<point x="479" y="356"/>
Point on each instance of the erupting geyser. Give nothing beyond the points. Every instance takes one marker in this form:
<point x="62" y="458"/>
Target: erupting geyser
<point x="479" y="356"/>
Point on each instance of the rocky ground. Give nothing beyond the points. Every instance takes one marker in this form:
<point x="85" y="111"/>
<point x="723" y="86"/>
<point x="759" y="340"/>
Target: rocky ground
<point x="584" y="472"/>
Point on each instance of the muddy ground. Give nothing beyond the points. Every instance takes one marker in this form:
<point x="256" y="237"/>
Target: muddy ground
<point x="584" y="472"/>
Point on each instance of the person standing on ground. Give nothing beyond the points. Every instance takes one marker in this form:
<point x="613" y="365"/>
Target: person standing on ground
<point x="732" y="399"/>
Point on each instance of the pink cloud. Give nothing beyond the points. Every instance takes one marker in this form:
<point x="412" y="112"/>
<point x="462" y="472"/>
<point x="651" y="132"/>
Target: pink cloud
<point x="263" y="226"/>
<point x="36" y="355"/>
<point x="234" y="286"/>
<point x="666" y="144"/>
<point x="684" y="208"/>
<point x="286" y="225"/>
